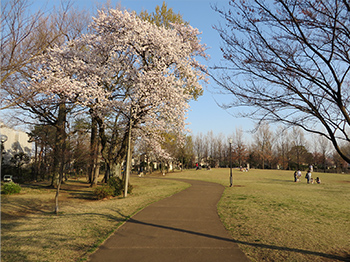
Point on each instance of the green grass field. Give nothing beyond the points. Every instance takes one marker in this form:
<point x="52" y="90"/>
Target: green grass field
<point x="273" y="218"/>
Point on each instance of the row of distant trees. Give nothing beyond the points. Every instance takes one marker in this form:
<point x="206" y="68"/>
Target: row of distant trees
<point x="287" y="149"/>
<point x="265" y="149"/>
<point x="269" y="149"/>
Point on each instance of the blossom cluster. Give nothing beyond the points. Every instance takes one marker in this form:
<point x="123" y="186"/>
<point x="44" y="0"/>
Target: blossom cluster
<point x="127" y="65"/>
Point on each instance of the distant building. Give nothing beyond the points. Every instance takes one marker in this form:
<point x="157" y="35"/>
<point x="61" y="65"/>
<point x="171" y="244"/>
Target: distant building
<point x="17" y="142"/>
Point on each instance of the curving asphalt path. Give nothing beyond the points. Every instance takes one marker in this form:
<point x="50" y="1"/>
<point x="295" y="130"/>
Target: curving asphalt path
<point x="183" y="227"/>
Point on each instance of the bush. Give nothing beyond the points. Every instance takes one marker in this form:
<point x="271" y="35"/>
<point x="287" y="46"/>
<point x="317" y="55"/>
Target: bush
<point x="130" y="188"/>
<point x="115" y="187"/>
<point x="103" y="192"/>
<point x="11" y="188"/>
<point x="118" y="186"/>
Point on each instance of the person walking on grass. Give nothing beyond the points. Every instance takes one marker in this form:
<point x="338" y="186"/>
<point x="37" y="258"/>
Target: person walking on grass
<point x="308" y="176"/>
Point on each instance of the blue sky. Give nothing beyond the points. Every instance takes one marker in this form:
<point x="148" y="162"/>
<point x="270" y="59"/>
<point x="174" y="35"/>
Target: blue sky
<point x="205" y="114"/>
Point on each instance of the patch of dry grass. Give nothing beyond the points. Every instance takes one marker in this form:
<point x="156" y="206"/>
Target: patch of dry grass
<point x="269" y="216"/>
<point x="31" y="232"/>
<point x="274" y="219"/>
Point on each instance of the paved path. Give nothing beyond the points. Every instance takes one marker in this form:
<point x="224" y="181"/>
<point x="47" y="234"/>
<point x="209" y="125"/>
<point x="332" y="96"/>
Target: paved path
<point x="183" y="227"/>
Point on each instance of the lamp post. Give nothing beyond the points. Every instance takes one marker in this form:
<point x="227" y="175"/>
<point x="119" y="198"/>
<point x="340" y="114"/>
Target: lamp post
<point x="230" y="142"/>
<point x="3" y="139"/>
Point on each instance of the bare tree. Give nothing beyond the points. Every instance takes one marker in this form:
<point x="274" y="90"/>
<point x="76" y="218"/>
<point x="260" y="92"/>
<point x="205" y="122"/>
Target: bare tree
<point x="322" y="148"/>
<point x="298" y="146"/>
<point x="263" y="142"/>
<point x="290" y="62"/>
<point x="25" y="36"/>
<point x="221" y="141"/>
<point x="17" y="27"/>
<point x="239" y="148"/>
<point x="282" y="146"/>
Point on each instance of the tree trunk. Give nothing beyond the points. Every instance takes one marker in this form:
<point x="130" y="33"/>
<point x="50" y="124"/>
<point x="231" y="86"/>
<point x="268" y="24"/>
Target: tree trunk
<point x="58" y="190"/>
<point x="116" y="170"/>
<point x="97" y="164"/>
<point x="60" y="148"/>
<point x="107" y="173"/>
<point x="60" y="142"/>
<point x="93" y="148"/>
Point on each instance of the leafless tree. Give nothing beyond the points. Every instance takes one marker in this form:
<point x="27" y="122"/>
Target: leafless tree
<point x="290" y="62"/>
<point x="221" y="144"/>
<point x="282" y="146"/>
<point x="323" y="149"/>
<point x="298" y="144"/>
<point x="239" y="147"/>
<point x="25" y="35"/>
<point x="263" y="142"/>
<point x="199" y="146"/>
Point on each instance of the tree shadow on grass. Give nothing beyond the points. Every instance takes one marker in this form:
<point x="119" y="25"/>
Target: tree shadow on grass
<point x="73" y="189"/>
<point x="346" y="257"/>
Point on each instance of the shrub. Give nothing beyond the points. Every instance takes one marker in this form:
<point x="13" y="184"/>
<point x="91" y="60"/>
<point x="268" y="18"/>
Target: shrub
<point x="103" y="192"/>
<point x="130" y="188"/>
<point x="118" y="185"/>
<point x="11" y="188"/>
<point x="115" y="187"/>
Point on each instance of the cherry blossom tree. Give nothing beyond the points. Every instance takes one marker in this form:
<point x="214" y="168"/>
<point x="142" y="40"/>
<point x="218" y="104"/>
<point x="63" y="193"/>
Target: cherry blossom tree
<point x="162" y="76"/>
<point x="26" y="37"/>
<point x="131" y="68"/>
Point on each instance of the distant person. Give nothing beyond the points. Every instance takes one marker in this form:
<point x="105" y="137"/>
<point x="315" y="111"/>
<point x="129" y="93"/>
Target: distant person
<point x="197" y="167"/>
<point x="318" y="180"/>
<point x="308" y="176"/>
<point x="311" y="168"/>
<point x="298" y="175"/>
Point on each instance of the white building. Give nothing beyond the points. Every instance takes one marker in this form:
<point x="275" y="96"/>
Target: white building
<point x="17" y="142"/>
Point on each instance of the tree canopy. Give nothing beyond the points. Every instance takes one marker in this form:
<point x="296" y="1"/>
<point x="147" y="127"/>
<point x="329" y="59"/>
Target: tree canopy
<point x="162" y="16"/>
<point x="290" y="62"/>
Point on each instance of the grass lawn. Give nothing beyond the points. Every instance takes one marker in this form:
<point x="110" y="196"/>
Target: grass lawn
<point x="31" y="232"/>
<point x="274" y="219"/>
<point x="269" y="216"/>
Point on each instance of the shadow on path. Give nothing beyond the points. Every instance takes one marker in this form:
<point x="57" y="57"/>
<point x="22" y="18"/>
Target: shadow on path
<point x="297" y="250"/>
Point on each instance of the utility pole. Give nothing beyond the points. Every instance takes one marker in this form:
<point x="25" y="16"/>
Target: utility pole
<point x="128" y="159"/>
